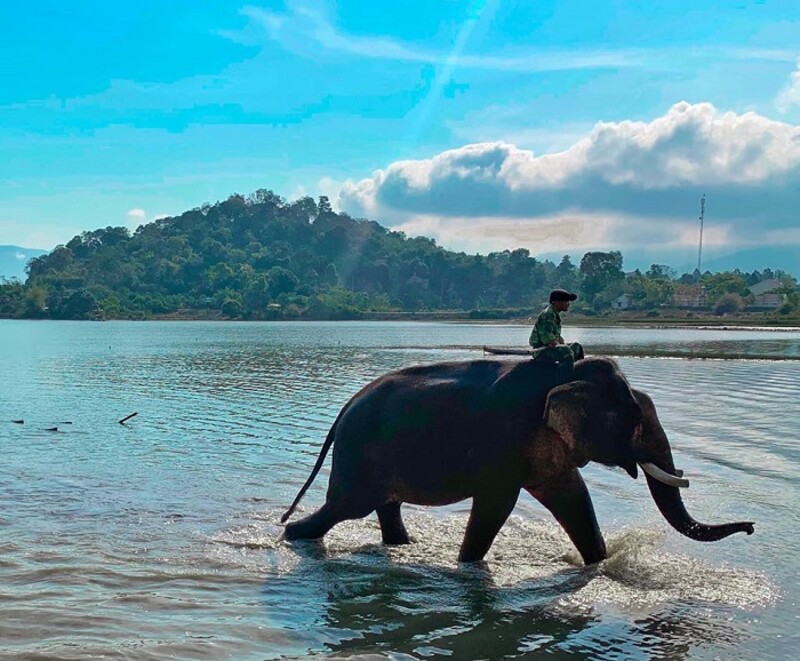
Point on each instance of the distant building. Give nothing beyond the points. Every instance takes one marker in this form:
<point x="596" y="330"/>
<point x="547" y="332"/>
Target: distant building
<point x="767" y="286"/>
<point x="765" y="294"/>
<point x="689" y="296"/>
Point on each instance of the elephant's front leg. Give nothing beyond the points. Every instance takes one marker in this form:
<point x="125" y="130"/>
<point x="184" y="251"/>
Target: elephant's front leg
<point x="569" y="502"/>
<point x="489" y="512"/>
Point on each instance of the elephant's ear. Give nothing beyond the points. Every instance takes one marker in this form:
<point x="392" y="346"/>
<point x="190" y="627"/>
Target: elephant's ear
<point x="566" y="409"/>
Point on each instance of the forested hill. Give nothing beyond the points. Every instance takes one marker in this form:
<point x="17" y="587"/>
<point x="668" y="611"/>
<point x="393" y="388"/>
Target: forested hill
<point x="260" y="257"/>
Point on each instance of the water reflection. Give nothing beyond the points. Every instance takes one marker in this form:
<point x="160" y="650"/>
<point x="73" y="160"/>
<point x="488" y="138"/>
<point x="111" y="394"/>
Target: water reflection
<point x="359" y="597"/>
<point x="371" y="605"/>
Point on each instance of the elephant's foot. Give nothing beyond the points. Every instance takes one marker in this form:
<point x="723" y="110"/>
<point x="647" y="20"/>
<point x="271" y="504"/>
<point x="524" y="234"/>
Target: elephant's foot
<point x="569" y="502"/>
<point x="489" y="513"/>
<point x="393" y="531"/>
<point x="312" y="527"/>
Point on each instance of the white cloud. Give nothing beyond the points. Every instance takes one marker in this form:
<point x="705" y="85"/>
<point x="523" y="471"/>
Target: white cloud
<point x="134" y="218"/>
<point x="487" y="233"/>
<point x="304" y="29"/>
<point x="298" y="192"/>
<point x="511" y="123"/>
<point x="571" y="232"/>
<point x="789" y="96"/>
<point x="622" y="184"/>
<point x="330" y="188"/>
<point x="789" y="236"/>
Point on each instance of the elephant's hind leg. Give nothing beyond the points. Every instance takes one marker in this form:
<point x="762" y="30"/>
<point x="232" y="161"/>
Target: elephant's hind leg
<point x="489" y="513"/>
<point x="569" y="502"/>
<point x="313" y="526"/>
<point x="392" y="529"/>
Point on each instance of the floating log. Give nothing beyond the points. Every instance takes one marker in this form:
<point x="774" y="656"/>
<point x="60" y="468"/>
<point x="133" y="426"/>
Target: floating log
<point x="128" y="417"/>
<point x="507" y="351"/>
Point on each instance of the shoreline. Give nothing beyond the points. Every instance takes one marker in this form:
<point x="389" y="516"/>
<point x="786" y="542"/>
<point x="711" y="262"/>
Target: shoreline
<point x="652" y="323"/>
<point x="760" y="325"/>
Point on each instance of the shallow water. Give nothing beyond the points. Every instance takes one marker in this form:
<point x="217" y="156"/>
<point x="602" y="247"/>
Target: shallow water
<point x="159" y="539"/>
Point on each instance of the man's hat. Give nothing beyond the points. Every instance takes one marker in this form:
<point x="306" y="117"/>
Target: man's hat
<point x="562" y="295"/>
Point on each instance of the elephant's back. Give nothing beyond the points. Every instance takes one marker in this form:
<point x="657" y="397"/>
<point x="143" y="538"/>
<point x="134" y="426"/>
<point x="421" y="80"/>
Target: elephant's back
<point x="425" y="433"/>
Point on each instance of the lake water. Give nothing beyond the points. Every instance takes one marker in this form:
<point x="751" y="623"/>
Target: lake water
<point x="159" y="539"/>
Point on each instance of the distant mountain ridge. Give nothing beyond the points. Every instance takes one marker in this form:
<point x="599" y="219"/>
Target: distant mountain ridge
<point x="785" y="258"/>
<point x="14" y="258"/>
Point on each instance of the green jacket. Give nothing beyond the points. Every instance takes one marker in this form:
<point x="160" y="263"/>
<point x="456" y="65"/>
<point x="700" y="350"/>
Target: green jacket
<point x="546" y="329"/>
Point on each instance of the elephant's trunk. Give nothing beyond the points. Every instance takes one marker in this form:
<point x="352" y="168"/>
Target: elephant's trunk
<point x="654" y="447"/>
<point x="670" y="504"/>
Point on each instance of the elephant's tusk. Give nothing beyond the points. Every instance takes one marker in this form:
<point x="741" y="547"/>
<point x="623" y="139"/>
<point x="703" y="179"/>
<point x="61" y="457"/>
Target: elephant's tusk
<point x="662" y="476"/>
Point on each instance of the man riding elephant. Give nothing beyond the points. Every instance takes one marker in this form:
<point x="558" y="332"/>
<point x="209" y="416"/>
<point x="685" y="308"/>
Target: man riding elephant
<point x="546" y="337"/>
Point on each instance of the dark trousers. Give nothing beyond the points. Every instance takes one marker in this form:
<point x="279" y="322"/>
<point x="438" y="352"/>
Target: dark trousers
<point x="569" y="352"/>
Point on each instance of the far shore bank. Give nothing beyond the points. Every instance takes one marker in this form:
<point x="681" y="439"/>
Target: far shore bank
<point x="693" y="322"/>
<point x="682" y="319"/>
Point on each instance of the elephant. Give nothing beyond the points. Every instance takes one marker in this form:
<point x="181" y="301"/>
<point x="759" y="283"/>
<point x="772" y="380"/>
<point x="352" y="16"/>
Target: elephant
<point x="485" y="429"/>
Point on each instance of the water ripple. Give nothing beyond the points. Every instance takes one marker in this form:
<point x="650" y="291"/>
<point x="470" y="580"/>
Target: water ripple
<point x="160" y="539"/>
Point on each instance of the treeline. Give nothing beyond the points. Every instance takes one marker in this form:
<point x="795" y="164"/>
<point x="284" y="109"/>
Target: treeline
<point x="260" y="257"/>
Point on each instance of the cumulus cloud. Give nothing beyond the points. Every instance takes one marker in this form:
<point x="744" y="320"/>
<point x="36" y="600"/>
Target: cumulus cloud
<point x="623" y="181"/>
<point x="789" y="96"/>
<point x="330" y="188"/>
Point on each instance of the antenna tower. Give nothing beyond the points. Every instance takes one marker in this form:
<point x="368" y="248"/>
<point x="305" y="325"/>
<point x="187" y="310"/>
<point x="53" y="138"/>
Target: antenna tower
<point x="702" y="217"/>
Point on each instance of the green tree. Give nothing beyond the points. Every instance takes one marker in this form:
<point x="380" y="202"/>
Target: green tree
<point x="565" y="275"/>
<point x="232" y="307"/>
<point x="281" y="281"/>
<point x="80" y="304"/>
<point x="728" y="304"/>
<point x="660" y="272"/>
<point x="599" y="270"/>
<point x="12" y="298"/>
<point x="324" y="207"/>
<point x="111" y="307"/>
<point x="727" y="282"/>
<point x="331" y="274"/>
<point x="648" y="292"/>
<point x="35" y="302"/>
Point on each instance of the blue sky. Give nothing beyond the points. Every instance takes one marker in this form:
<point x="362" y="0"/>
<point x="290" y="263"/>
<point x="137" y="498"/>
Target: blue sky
<point x="556" y="126"/>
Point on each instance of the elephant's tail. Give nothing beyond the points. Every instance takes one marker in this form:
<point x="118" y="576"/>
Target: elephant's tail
<point x="322" y="454"/>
